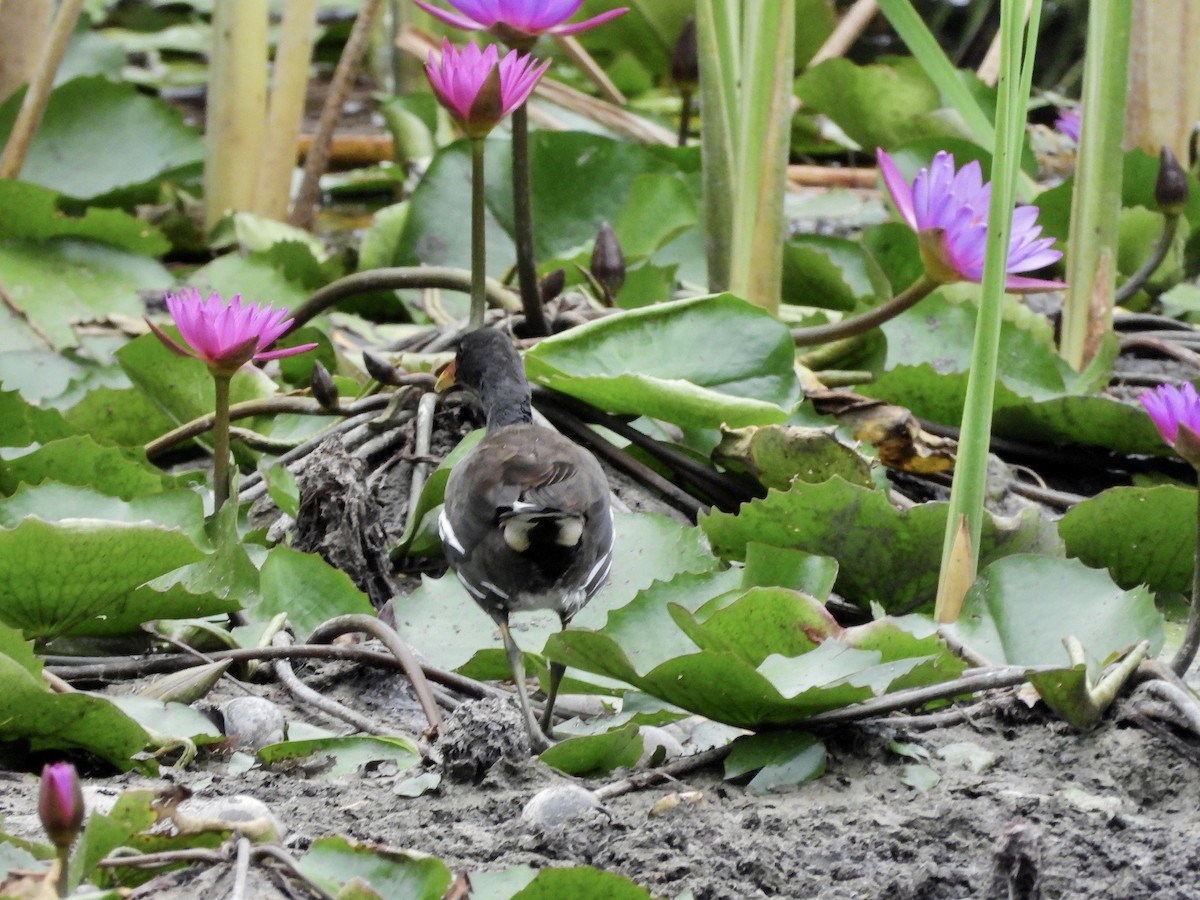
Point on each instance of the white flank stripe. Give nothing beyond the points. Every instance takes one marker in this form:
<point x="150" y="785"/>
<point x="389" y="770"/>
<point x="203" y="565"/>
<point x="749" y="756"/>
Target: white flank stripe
<point x="446" y="533"/>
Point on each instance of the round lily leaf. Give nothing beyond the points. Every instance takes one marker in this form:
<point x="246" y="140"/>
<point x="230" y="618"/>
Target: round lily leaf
<point x="1020" y="609"/>
<point x="646" y="362"/>
<point x="64" y="577"/>
<point x="139" y="138"/>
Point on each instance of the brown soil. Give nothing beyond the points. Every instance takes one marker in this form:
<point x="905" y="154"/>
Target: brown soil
<point x="1102" y="815"/>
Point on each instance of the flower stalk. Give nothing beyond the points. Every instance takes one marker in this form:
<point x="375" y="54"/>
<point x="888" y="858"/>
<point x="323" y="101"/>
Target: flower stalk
<point x="527" y="279"/>
<point x="221" y="441"/>
<point x="864" y="322"/>
<point x="478" y="236"/>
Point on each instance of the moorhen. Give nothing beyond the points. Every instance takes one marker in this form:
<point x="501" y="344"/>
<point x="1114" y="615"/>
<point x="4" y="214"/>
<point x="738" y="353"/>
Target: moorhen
<point x="526" y="522"/>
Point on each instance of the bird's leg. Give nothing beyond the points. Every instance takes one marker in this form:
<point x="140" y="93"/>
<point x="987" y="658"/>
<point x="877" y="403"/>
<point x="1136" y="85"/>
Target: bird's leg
<point x="556" y="677"/>
<point x="516" y="661"/>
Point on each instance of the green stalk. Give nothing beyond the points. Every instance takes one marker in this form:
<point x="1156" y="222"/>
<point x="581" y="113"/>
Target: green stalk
<point x="1191" y="638"/>
<point x="1096" y="205"/>
<point x="718" y="38"/>
<point x="531" y="296"/>
<point x="63" y="885"/>
<point x="221" y="441"/>
<point x="970" y="470"/>
<point x="924" y="47"/>
<point x="478" y="237"/>
<point x="836" y="331"/>
<point x="756" y="264"/>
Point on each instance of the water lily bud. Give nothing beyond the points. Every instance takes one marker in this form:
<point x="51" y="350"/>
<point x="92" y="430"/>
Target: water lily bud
<point x="323" y="387"/>
<point x="685" y="60"/>
<point x="1170" y="188"/>
<point x="60" y="804"/>
<point x="379" y="368"/>
<point x="552" y="285"/>
<point x="608" y="262"/>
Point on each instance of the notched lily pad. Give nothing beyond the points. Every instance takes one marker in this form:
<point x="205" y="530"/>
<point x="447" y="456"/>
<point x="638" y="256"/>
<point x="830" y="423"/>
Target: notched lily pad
<point x="886" y="556"/>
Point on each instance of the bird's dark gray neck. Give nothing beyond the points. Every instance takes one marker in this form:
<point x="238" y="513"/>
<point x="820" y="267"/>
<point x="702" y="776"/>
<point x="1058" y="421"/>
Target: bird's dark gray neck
<point x="506" y="400"/>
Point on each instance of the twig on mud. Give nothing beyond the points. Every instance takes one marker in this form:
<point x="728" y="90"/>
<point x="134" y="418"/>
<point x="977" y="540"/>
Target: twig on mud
<point x="1181" y="701"/>
<point x="117" y="668"/>
<point x="426" y="407"/>
<point x="305" y="406"/>
<point x="668" y="772"/>
<point x="121" y="858"/>
<point x="304" y="694"/>
<point x="340" y="625"/>
<point x="241" y="869"/>
<point x="976" y="680"/>
<point x="927" y="722"/>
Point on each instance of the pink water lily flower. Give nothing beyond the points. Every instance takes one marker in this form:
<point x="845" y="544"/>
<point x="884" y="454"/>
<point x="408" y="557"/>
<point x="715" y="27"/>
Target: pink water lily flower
<point x="1068" y="123"/>
<point x="1175" y="411"/>
<point x="515" y="18"/>
<point x="60" y="803"/>
<point x="225" y="335"/>
<point x="476" y="98"/>
<point x="948" y="210"/>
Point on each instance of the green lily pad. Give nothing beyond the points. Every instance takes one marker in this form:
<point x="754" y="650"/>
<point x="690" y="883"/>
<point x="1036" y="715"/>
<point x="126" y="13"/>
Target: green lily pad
<point x="580" y="881"/>
<point x="79" y="460"/>
<point x="781" y="690"/>
<point x="1141" y="535"/>
<point x="645" y="362"/>
<point x="876" y="105"/>
<point x="780" y="759"/>
<point x="22" y="424"/>
<point x="307" y="588"/>
<point x="64" y="722"/>
<point x="54" y="502"/>
<point x="886" y="556"/>
<point x="34" y="213"/>
<point x="831" y="273"/>
<point x="93" y="118"/>
<point x="82" y="576"/>
<point x="449" y="628"/>
<point x="1020" y="609"/>
<point x="331" y="862"/>
<point x="593" y="754"/>
<point x="63" y="280"/>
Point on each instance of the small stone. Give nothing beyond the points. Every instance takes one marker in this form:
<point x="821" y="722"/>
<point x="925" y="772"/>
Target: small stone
<point x="252" y="722"/>
<point x="556" y="809"/>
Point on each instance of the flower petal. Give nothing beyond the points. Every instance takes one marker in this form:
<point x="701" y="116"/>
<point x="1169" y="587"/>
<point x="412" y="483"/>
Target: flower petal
<point x="897" y="187"/>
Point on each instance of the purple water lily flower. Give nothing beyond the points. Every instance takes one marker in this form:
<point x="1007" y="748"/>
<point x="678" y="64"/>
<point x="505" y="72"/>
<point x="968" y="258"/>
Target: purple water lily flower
<point x="60" y="803"/>
<point x="477" y="100"/>
<point x="948" y="210"/>
<point x="1068" y="123"/>
<point x="225" y="335"/>
<point x="517" y="18"/>
<point x="1175" y="411"/>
